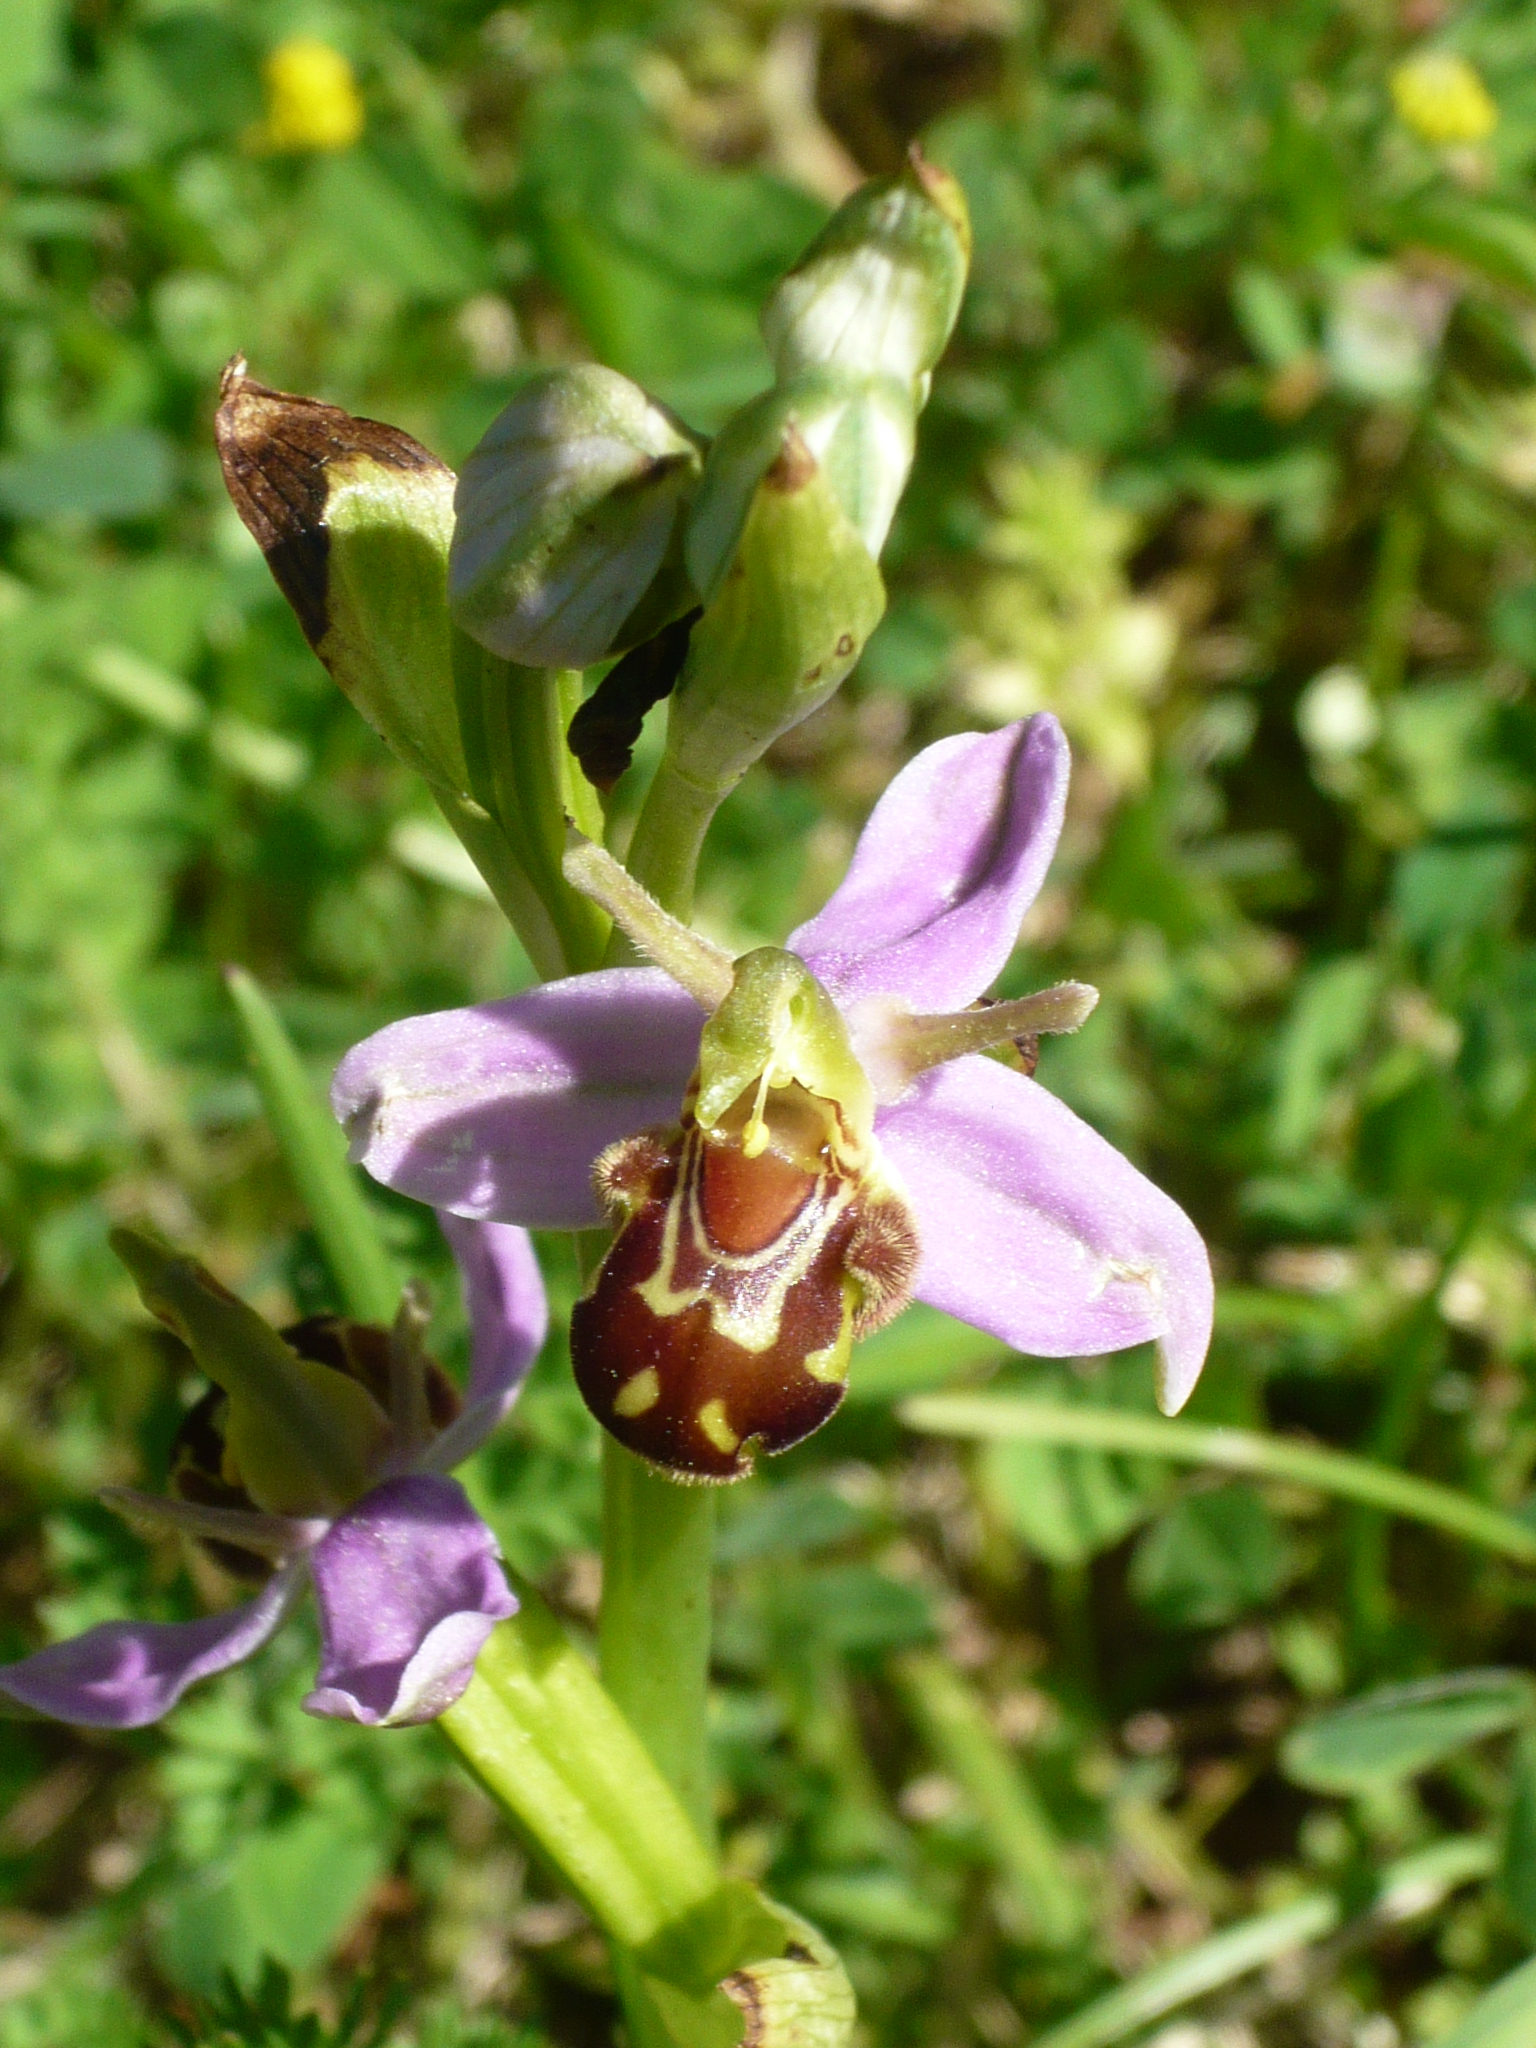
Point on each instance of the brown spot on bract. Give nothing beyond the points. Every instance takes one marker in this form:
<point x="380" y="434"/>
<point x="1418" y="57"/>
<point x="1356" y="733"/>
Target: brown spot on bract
<point x="277" y="450"/>
<point x="844" y="646"/>
<point x="793" y="467"/>
<point x="743" y="1990"/>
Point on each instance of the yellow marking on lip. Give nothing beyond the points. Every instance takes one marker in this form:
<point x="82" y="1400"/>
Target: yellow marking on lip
<point x="712" y="1420"/>
<point x="830" y="1364"/>
<point x="637" y="1394"/>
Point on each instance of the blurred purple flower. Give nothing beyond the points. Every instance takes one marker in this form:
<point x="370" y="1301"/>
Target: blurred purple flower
<point x="1033" y="1227"/>
<point x="407" y="1577"/>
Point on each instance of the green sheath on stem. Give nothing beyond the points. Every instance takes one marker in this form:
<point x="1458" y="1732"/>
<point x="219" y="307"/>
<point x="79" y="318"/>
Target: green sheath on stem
<point x="545" y="1739"/>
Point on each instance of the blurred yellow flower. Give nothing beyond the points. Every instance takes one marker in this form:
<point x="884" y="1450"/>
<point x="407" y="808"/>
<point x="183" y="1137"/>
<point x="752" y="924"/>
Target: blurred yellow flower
<point x="1441" y="98"/>
<point x="312" y="98"/>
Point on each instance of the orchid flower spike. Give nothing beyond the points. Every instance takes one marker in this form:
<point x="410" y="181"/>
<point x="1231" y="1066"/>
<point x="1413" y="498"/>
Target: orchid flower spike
<point x="319" y="1455"/>
<point x="795" y="1143"/>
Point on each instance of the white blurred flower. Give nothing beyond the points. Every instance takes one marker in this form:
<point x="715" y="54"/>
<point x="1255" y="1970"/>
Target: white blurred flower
<point x="1337" y="716"/>
<point x="1383" y="329"/>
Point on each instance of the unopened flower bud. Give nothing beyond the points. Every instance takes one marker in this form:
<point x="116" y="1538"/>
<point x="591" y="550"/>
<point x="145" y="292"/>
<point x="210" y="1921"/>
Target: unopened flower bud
<point x="354" y="518"/>
<point x="792" y="611"/>
<point x="878" y="291"/>
<point x="305" y="1439"/>
<point x="566" y="547"/>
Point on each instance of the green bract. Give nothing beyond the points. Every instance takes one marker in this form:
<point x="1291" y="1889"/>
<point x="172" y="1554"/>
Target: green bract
<point x="563" y="552"/>
<point x="791" y="615"/>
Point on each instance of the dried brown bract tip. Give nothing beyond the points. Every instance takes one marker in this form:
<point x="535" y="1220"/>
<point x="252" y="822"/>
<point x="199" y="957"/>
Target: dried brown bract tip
<point x="279" y="454"/>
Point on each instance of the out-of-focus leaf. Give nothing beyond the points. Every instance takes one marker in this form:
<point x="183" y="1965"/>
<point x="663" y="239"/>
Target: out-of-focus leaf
<point x="859" y="1612"/>
<point x="1517" y="1874"/>
<point x="662" y="260"/>
<point x="1496" y="240"/>
<point x="411" y="239"/>
<point x="30" y="49"/>
<point x="124" y="474"/>
<point x="1504" y="2017"/>
<point x="1067" y="1505"/>
<point x="923" y="1348"/>
<point x="1394" y="1734"/>
<point x="288" y="1891"/>
<point x="783" y="1520"/>
<point x="1211" y="1557"/>
<point x="880" y="1904"/>
<point x="1326" y="1027"/>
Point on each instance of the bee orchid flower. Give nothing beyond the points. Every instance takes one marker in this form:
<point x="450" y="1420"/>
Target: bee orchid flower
<point x="318" y="1457"/>
<point x="796" y="1143"/>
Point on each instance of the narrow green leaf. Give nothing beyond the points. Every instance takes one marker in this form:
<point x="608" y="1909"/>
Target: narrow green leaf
<point x="1404" y="1729"/>
<point x="1504" y="2017"/>
<point x="1517" y="1872"/>
<point x="1013" y="1822"/>
<point x="1002" y="1417"/>
<point x="315" y="1150"/>
<point x="1413" y="1886"/>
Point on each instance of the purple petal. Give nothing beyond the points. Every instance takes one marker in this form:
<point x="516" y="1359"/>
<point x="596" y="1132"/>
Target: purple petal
<point x="126" y="1673"/>
<point x="1035" y="1228"/>
<point x="498" y="1112"/>
<point x="409" y="1588"/>
<point x="508" y="1322"/>
<point x="953" y="855"/>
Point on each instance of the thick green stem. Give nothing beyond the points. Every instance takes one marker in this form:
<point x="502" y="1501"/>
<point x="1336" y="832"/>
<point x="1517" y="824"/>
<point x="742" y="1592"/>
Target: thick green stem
<point x="658" y="1549"/>
<point x="669" y="836"/>
<point x="658" y="1537"/>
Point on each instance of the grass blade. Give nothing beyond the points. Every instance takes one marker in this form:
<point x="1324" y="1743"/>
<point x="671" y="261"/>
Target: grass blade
<point x="315" y="1150"/>
<point x="1001" y="1416"/>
